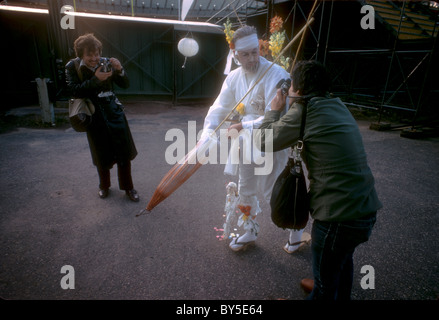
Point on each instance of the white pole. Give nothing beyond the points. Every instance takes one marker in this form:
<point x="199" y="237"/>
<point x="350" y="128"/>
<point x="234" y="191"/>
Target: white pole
<point x="47" y="112"/>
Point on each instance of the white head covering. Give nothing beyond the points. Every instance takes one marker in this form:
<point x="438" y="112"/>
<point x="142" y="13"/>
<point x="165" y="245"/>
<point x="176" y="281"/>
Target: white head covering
<point x="247" y="43"/>
<point x="242" y="44"/>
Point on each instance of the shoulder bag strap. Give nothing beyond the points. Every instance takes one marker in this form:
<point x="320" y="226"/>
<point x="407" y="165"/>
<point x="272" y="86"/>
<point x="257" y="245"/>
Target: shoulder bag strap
<point x="303" y="122"/>
<point x="78" y="69"/>
<point x="296" y="150"/>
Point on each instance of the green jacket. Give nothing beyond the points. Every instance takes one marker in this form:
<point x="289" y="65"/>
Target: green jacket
<point x="341" y="182"/>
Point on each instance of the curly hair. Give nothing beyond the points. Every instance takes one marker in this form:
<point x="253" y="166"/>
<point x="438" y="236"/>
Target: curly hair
<point x="87" y="43"/>
<point x="310" y="77"/>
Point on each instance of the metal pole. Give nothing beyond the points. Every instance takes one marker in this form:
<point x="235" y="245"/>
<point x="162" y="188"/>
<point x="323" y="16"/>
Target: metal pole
<point x="174" y="68"/>
<point x="220" y="11"/>
<point x="320" y="31"/>
<point x="329" y="28"/>
<point x="269" y="16"/>
<point x="391" y="61"/>
<point x="47" y="113"/>
<point x="292" y="26"/>
<point x="425" y="78"/>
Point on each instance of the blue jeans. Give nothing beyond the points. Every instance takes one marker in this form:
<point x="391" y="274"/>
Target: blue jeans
<point x="333" y="246"/>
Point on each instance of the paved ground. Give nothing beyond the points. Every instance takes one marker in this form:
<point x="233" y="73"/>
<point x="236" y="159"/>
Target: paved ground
<point x="51" y="216"/>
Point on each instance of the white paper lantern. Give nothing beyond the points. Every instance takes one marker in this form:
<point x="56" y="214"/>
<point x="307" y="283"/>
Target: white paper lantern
<point x="188" y="47"/>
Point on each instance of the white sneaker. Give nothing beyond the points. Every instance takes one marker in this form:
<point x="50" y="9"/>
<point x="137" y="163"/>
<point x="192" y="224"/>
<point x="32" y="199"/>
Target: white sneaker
<point x="243" y="241"/>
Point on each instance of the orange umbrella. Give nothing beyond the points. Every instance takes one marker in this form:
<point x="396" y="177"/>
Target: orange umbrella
<point x="186" y="167"/>
<point x="181" y="171"/>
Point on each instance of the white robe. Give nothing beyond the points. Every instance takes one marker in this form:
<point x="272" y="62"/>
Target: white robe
<point x="256" y="104"/>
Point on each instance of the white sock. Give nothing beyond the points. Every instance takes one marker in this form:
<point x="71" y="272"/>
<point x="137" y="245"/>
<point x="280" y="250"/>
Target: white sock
<point x="248" y="236"/>
<point x="295" y="236"/>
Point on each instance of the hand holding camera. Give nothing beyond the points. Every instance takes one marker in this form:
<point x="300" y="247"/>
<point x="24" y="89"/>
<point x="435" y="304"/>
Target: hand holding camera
<point x="278" y="102"/>
<point x="105" y="65"/>
<point x="284" y="85"/>
<point x="106" y="68"/>
<point x="115" y="64"/>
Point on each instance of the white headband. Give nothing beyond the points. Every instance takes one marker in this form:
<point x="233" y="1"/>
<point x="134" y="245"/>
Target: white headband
<point x="247" y="43"/>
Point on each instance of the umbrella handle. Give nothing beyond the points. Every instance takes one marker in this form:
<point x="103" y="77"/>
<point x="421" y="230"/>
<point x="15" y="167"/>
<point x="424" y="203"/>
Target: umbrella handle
<point x="142" y="212"/>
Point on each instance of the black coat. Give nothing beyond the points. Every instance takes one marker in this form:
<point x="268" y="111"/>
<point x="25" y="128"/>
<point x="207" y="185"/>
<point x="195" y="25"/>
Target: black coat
<point x="109" y="135"/>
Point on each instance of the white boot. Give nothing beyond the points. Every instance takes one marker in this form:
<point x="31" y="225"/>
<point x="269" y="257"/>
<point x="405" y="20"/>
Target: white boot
<point x="249" y="208"/>
<point x="297" y="239"/>
<point x="243" y="241"/>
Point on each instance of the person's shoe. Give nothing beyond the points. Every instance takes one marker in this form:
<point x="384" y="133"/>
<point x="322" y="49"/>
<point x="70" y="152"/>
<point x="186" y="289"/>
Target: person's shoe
<point x="243" y="241"/>
<point x="307" y="285"/>
<point x="132" y="194"/>
<point x="293" y="247"/>
<point x="103" y="193"/>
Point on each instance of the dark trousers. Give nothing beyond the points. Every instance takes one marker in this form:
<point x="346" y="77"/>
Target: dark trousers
<point x="123" y="174"/>
<point x="333" y="245"/>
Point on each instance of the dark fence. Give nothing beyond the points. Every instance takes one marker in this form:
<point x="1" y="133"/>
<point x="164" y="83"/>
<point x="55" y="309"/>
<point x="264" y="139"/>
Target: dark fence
<point x="148" y="52"/>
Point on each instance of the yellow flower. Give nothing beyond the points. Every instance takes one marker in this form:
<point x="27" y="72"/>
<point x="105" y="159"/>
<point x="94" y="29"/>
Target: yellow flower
<point x="228" y="31"/>
<point x="284" y="62"/>
<point x="276" y="42"/>
<point x="240" y="108"/>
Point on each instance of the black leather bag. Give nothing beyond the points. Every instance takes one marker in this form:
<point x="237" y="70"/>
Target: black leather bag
<point x="118" y="129"/>
<point x="289" y="199"/>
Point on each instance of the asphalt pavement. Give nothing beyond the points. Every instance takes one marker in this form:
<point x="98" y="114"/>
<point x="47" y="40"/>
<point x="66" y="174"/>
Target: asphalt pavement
<point x="51" y="217"/>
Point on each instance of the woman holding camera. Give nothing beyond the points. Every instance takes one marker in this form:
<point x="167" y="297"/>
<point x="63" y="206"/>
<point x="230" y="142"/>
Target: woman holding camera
<point x="109" y="136"/>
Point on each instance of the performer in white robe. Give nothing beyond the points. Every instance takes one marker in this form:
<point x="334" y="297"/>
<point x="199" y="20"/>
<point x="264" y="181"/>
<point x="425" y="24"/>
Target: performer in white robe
<point x="235" y="86"/>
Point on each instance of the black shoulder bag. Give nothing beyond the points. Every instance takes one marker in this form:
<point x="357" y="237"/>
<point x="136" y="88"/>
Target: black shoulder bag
<point x="289" y="199"/>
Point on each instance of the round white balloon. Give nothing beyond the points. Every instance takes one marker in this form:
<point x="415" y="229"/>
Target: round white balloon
<point x="188" y="47"/>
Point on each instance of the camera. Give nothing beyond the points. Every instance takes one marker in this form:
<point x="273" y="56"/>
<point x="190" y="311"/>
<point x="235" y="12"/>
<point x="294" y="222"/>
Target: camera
<point x="284" y="85"/>
<point x="106" y="65"/>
